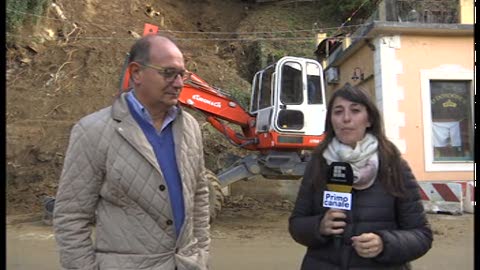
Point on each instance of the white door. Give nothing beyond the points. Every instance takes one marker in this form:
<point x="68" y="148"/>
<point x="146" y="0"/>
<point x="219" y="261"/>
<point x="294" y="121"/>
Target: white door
<point x="299" y="97"/>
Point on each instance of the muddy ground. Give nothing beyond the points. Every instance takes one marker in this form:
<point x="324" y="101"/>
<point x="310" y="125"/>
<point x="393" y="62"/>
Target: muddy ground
<point x="251" y="235"/>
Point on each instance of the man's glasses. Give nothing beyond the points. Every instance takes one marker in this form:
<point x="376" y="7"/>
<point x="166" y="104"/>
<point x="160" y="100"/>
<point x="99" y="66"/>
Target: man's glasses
<point x="169" y="74"/>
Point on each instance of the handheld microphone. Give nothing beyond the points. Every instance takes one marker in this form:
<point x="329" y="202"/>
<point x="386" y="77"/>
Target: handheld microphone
<point x="339" y="193"/>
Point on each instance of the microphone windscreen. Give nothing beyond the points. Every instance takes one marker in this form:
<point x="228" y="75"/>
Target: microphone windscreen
<point x="340" y="177"/>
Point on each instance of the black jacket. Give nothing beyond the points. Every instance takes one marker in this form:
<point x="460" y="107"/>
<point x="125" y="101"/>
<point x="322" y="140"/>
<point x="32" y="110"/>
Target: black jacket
<point x="400" y="222"/>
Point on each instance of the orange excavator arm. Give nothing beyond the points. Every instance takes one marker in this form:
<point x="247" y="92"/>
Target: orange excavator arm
<point x="215" y="105"/>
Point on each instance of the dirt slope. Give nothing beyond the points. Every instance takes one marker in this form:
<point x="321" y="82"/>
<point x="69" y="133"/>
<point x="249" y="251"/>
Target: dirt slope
<point x="69" y="65"/>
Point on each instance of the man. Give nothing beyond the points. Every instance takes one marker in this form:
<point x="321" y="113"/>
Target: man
<point x="137" y="169"/>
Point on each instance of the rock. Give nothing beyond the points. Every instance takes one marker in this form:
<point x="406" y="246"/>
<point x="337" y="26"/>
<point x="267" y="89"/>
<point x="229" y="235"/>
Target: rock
<point x="58" y="11"/>
<point x="134" y="34"/>
<point x="34" y="48"/>
<point x="44" y="156"/>
<point x="49" y="34"/>
<point x="25" y="60"/>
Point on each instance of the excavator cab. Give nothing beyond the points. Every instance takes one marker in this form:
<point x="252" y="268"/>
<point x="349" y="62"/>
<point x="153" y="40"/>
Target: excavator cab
<point x="288" y="97"/>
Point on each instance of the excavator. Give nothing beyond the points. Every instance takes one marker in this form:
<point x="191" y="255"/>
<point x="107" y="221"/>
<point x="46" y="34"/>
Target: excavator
<point x="284" y="121"/>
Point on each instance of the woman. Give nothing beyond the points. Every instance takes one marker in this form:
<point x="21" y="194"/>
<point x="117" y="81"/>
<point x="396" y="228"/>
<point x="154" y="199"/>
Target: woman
<point x="386" y="227"/>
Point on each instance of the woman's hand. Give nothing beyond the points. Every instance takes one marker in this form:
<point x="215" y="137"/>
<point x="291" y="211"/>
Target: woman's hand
<point x="333" y="222"/>
<point x="367" y="245"/>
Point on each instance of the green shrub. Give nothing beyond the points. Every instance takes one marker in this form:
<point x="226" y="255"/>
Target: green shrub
<point x="340" y="11"/>
<point x="20" y="12"/>
<point x="242" y="97"/>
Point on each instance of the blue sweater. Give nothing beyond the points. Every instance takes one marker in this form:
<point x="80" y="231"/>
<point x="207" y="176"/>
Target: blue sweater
<point x="164" y="148"/>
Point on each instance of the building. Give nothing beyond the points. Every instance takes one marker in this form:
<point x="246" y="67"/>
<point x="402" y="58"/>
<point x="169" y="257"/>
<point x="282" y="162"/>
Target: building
<point x="417" y="59"/>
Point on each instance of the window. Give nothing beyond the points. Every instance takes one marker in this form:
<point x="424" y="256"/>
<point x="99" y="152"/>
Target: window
<point x="255" y="93"/>
<point x="452" y="130"/>
<point x="314" y="90"/>
<point x="290" y="119"/>
<point x="447" y="98"/>
<point x="292" y="85"/>
<point x="265" y="99"/>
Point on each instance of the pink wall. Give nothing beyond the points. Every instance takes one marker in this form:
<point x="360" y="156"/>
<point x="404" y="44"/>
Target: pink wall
<point x="423" y="52"/>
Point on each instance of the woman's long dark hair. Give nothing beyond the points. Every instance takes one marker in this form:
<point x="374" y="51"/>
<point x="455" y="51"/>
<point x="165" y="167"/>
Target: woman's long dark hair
<point x="390" y="172"/>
